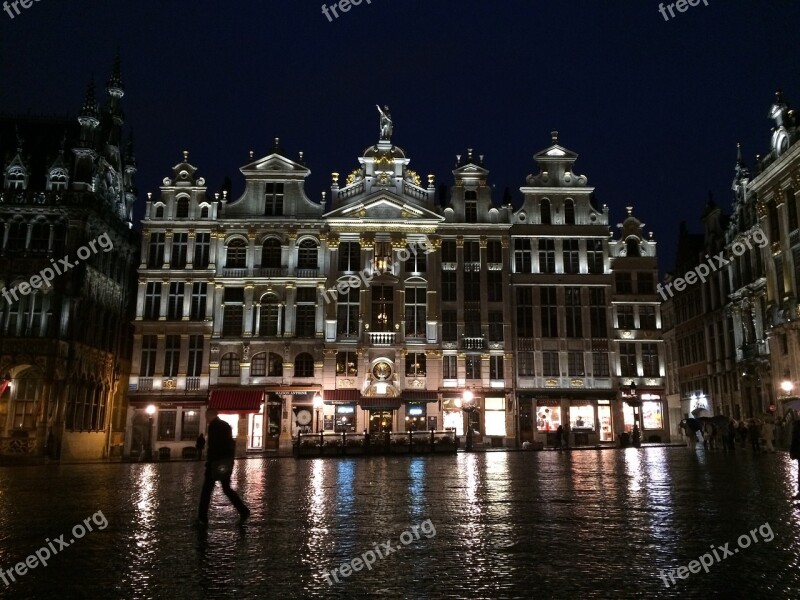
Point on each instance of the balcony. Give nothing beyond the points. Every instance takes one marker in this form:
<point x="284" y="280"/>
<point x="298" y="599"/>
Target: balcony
<point x="381" y="338"/>
<point x="145" y="384"/>
<point x="307" y="273"/>
<point x="473" y="343"/>
<point x="234" y="272"/>
<point x="271" y="272"/>
<point x="192" y="384"/>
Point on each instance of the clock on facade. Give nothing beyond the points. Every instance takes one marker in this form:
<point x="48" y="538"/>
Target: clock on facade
<point x="382" y="370"/>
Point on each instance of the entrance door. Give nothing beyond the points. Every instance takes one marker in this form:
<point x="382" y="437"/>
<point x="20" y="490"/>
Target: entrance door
<point x="272" y="431"/>
<point x="380" y="421"/>
<point x="606" y="429"/>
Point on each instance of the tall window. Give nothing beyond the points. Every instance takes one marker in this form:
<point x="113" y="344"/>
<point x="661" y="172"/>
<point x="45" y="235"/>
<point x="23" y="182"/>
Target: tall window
<point x="415" y="364"/>
<point x="597" y="312"/>
<point x="258" y="365"/>
<point x="470" y="206"/>
<point x="575" y="363"/>
<point x="600" y="364"/>
<point x="623" y="283"/>
<point x="494" y="283"/>
<point x="472" y="286"/>
<point x="307" y="255"/>
<point x="155" y="253"/>
<point x="199" y="293"/>
<point x="627" y="360"/>
<point x="275" y="365"/>
<point x="195" y="366"/>
<point x="494" y="252"/>
<point x="450" y="286"/>
<point x="347" y="313"/>
<point x="569" y="212"/>
<point x="40" y="238"/>
<point x="382" y="308"/>
<point x="233" y="312"/>
<point x="202" y="245"/>
<point x="271" y="254"/>
<point x="269" y="325"/>
<point x="26" y="399"/>
<point x="180" y="244"/>
<point x="152" y="300"/>
<point x="149" y="351"/>
<point x="547" y="256"/>
<point x="175" y="304"/>
<point x="449" y="251"/>
<point x="417" y="261"/>
<point x="791" y="204"/>
<point x="347" y="363"/>
<point x="496" y="322"/>
<point x="472" y="322"/>
<point x="525" y="312"/>
<point x="229" y="365"/>
<point x="594" y="256"/>
<point x="190" y="425"/>
<point x="236" y="257"/>
<point x="496" y="367"/>
<point x="273" y="199"/>
<point x="647" y="317"/>
<point x="550" y="366"/>
<point x="650" y="360"/>
<point x="472" y="251"/>
<point x="571" y="256"/>
<point x="449" y="326"/>
<point x="644" y="282"/>
<point x="182" y="208"/>
<point x="349" y="257"/>
<point x="549" y="312"/>
<point x="525" y="364"/>
<point x="304" y="365"/>
<point x="172" y="355"/>
<point x="449" y="367"/>
<point x="625" y="316"/>
<point x="306" y="311"/>
<point x="544" y="211"/>
<point x="416" y="303"/>
<point x="473" y="366"/>
<point x="573" y="309"/>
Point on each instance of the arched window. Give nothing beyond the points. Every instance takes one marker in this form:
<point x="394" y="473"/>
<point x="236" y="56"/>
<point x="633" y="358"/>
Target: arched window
<point x="544" y="210"/>
<point x="204" y="212"/>
<point x="269" y="324"/>
<point x="307" y="255"/>
<point x="182" y="208"/>
<point x="40" y="237"/>
<point x="258" y="366"/>
<point x="229" y="365"/>
<point x="237" y="254"/>
<point x="160" y="211"/>
<point x="57" y="180"/>
<point x="15" y="178"/>
<point x="26" y="396"/>
<point x="17" y="236"/>
<point x="632" y="247"/>
<point x="271" y="254"/>
<point x="569" y="212"/>
<point x="304" y="365"/>
<point x="275" y="365"/>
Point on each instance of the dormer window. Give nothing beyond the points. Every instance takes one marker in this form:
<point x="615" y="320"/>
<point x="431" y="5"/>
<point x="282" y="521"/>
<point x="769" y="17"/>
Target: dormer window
<point x="471" y="206"/>
<point x="569" y="212"/>
<point x="273" y="200"/>
<point x="16" y="178"/>
<point x="57" y="180"/>
<point x="544" y="208"/>
<point x="182" y="208"/>
<point x="159" y="211"/>
<point x="204" y="212"/>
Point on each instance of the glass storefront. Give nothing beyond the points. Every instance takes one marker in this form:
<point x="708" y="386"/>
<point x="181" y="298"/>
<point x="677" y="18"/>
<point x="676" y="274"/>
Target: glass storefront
<point x="345" y="418"/>
<point x="452" y="416"/>
<point x="495" y="416"/>
<point x="652" y="415"/>
<point x="581" y="418"/>
<point x="627" y="412"/>
<point x="548" y="415"/>
<point x="416" y="417"/>
<point x="255" y="427"/>
<point x="380" y="421"/>
<point x="604" y="418"/>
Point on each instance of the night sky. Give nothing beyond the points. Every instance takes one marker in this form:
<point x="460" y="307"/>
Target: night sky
<point x="653" y="107"/>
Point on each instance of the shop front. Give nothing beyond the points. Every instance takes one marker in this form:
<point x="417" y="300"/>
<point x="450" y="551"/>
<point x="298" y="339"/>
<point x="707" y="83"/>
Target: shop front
<point x="420" y="410"/>
<point x="341" y="410"/>
<point x="381" y="412"/>
<point x="237" y="406"/>
<point x="651" y="417"/>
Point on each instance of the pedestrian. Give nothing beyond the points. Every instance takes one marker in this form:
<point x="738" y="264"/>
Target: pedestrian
<point x="200" y="444"/>
<point x="743" y="433"/>
<point x="754" y="431"/>
<point x="219" y="466"/>
<point x="566" y="436"/>
<point x="768" y="433"/>
<point x="560" y="437"/>
<point x="730" y="436"/>
<point x="794" y="453"/>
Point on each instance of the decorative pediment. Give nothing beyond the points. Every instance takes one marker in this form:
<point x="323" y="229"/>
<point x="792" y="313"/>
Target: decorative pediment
<point x="274" y="163"/>
<point x="383" y="208"/>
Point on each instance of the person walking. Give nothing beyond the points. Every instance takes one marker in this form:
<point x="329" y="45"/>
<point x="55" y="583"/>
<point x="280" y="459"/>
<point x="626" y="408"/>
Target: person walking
<point x="560" y="437"/>
<point x="768" y="433"/>
<point x="219" y="466"/>
<point x="794" y="453"/>
<point x="200" y="444"/>
<point x="754" y="431"/>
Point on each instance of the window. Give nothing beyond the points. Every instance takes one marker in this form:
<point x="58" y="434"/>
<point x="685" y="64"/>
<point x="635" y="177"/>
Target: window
<point x="473" y="365"/>
<point x="202" y="244"/>
<point x="573" y="309"/>
<point x="275" y="365"/>
<point x="417" y="261"/>
<point x="190" y="425"/>
<point x="600" y="364"/>
<point x="575" y="365"/>
<point x="791" y="204"/>
<point x="269" y="318"/>
<point x="349" y="257"/>
<point x="416" y="302"/>
<point x="306" y="309"/>
<point x="199" y="293"/>
<point x="472" y="252"/>
<point x="26" y="400"/>
<point x="632" y="247"/>
<point x="472" y="322"/>
<point x="152" y="300"/>
<point x="494" y="252"/>
<point x="494" y="284"/>
<point x="182" y="208"/>
<point x="470" y="206"/>
<point x="449" y="251"/>
<point x="544" y="211"/>
<point x="180" y="244"/>
<point x="175" y="304"/>
<point x="195" y="366"/>
<point x="495" y="416"/>
<point x="204" y="212"/>
<point x="597" y="312"/>
<point x="525" y="312"/>
<point x="347" y="309"/>
<point x="271" y="254"/>
<point x="647" y="317"/>
<point x="449" y="366"/>
<point x="525" y="364"/>
<point x="625" y="316"/>
<point x="650" y="364"/>
<point x="623" y="283"/>
<point x="522" y="255"/>
<point x="172" y="355"/>
<point x="496" y="322"/>
<point x="236" y="257"/>
<point x="549" y="312"/>
<point x="304" y="365"/>
<point x="569" y="212"/>
<point x="449" y="286"/>
<point x="273" y="199"/>
<point x="40" y="238"/>
<point x="258" y="365"/>
<point x="149" y="351"/>
<point x="547" y="256"/>
<point x="415" y="364"/>
<point x="571" y="256"/>
<point x="347" y="363"/>
<point x="382" y="308"/>
<point x="166" y="425"/>
<point x="496" y="367"/>
<point x="472" y="286"/>
<point x="594" y="256"/>
<point x="550" y="366"/>
<point x="627" y="360"/>
<point x="307" y="255"/>
<point x="229" y="365"/>
<point x="449" y="326"/>
<point x="644" y="283"/>
<point x="155" y="254"/>
<point x="160" y="211"/>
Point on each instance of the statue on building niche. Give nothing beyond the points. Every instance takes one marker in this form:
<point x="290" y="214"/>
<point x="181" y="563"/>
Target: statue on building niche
<point x="386" y="122"/>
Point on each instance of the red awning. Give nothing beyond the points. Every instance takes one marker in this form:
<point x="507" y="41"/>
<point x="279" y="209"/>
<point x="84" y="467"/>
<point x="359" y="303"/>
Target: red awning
<point x="236" y="400"/>
<point x="380" y="402"/>
<point x="420" y="396"/>
<point x="341" y="396"/>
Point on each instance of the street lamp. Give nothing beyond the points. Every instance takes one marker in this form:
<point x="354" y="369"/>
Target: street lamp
<point x="787" y="387"/>
<point x="468" y="405"/>
<point x="150" y="410"/>
<point x="318" y="404"/>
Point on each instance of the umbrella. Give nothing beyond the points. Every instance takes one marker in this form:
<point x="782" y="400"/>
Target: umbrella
<point x="700" y="412"/>
<point x="793" y="403"/>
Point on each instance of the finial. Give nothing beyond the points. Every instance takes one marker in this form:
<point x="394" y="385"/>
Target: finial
<point x="216" y="196"/>
<point x="554" y="136"/>
<point x="431" y="179"/>
<point x="469" y="153"/>
<point x="251" y="154"/>
<point x="651" y="235"/>
<point x="301" y="156"/>
<point x="224" y="195"/>
<point x="323" y="197"/>
<point x="149" y="196"/>
<point x="481" y="157"/>
<point x="630" y="210"/>
<point x="335" y="178"/>
<point x="276" y="148"/>
<point x="185" y="156"/>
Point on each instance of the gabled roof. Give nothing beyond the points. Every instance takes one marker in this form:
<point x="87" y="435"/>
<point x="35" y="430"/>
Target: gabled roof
<point x="383" y="206"/>
<point x="275" y="163"/>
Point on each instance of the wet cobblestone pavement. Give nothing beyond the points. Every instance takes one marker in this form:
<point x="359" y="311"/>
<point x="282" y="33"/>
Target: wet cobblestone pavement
<point x="589" y="524"/>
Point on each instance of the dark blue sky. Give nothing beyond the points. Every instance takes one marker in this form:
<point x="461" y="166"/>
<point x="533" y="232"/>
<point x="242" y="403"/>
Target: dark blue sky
<point x="653" y="107"/>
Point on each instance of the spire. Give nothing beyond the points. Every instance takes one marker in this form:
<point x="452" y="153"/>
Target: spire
<point x="130" y="155"/>
<point x="741" y="168"/>
<point x="89" y="109"/>
<point x="114" y="87"/>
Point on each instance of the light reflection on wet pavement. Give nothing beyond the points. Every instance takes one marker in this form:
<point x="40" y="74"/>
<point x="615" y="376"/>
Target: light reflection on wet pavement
<point x="588" y="524"/>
